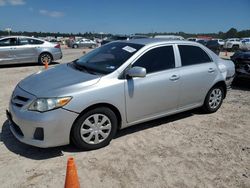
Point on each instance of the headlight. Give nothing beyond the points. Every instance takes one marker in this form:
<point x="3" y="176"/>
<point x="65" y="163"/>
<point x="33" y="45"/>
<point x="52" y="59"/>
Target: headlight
<point x="46" y="104"/>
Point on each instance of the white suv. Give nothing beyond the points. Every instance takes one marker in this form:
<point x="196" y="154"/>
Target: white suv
<point x="245" y="44"/>
<point x="232" y="44"/>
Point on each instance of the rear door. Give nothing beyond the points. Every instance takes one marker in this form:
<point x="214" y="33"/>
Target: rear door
<point x="158" y="92"/>
<point x="26" y="51"/>
<point x="197" y="73"/>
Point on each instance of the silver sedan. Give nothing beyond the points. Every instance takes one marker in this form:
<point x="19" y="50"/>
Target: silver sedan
<point x="21" y="49"/>
<point x="120" y="84"/>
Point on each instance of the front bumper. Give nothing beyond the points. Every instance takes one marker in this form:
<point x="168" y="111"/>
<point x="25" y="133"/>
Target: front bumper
<point x="53" y="127"/>
<point x="229" y="81"/>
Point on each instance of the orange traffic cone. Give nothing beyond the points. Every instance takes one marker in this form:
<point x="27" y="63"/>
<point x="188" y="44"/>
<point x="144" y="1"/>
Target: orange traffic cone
<point x="46" y="65"/>
<point x="226" y="53"/>
<point x="71" y="180"/>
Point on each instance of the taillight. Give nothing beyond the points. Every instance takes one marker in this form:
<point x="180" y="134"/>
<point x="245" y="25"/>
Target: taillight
<point x="57" y="46"/>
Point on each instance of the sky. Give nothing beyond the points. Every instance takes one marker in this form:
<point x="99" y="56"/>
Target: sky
<point x="124" y="16"/>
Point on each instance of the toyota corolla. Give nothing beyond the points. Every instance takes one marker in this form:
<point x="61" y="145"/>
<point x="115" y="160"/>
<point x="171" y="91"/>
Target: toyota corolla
<point x="120" y="84"/>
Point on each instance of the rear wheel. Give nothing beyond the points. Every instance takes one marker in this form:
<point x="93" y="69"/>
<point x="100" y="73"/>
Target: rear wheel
<point x="45" y="57"/>
<point x="75" y="46"/>
<point x="94" y="129"/>
<point x="213" y="99"/>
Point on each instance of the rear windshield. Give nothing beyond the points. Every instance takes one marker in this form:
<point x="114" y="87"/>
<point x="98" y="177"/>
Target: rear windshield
<point x="109" y="57"/>
<point x="212" y="42"/>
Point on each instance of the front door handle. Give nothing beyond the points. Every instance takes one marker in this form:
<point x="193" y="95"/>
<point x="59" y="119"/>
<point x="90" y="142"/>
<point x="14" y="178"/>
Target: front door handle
<point x="174" y="77"/>
<point x="211" y="70"/>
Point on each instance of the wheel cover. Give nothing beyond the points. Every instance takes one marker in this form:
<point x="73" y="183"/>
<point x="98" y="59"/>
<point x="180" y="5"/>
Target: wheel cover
<point x="215" y="98"/>
<point x="45" y="58"/>
<point x="95" y="129"/>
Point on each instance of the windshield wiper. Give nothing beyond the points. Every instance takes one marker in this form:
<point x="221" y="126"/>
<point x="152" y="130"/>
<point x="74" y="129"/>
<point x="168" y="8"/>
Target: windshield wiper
<point x="82" y="68"/>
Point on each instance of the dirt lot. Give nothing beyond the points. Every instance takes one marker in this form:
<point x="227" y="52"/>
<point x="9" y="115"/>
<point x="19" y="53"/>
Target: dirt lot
<point x="185" y="150"/>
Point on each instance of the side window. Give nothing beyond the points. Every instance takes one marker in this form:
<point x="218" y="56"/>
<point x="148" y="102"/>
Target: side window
<point x="192" y="55"/>
<point x="34" y="41"/>
<point x="157" y="59"/>
<point x="23" y="41"/>
<point x="8" y="42"/>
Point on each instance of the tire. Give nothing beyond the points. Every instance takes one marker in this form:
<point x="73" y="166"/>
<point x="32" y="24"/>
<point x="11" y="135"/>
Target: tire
<point x="45" y="57"/>
<point x="93" y="46"/>
<point x="214" y="99"/>
<point x="235" y="48"/>
<point x="86" y="134"/>
<point x="75" y="46"/>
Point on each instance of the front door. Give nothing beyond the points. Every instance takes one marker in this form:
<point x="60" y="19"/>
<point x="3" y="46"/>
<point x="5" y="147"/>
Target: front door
<point x="158" y="92"/>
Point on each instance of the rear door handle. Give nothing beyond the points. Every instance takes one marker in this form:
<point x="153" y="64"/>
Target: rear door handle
<point x="211" y="70"/>
<point x="174" y="77"/>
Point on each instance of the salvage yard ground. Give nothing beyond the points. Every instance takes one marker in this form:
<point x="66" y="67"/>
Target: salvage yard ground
<point x="190" y="149"/>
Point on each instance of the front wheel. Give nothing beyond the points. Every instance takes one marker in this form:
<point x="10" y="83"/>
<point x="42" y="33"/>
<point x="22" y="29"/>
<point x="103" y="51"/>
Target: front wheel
<point x="213" y="99"/>
<point x="94" y="129"/>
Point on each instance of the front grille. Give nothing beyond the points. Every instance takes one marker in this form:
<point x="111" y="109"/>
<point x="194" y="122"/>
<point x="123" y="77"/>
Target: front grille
<point x="19" y="101"/>
<point x="20" y="97"/>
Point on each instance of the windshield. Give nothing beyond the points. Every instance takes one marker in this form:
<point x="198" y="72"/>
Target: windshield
<point x="108" y="58"/>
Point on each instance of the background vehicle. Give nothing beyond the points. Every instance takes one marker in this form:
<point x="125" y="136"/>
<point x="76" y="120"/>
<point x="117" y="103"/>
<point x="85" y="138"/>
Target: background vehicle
<point x="54" y="41"/>
<point x="138" y="37"/>
<point x="86" y="43"/>
<point x="242" y="64"/>
<point x="214" y="46"/>
<point x="192" y="39"/>
<point x="232" y="44"/>
<point x="221" y="42"/>
<point x="245" y="44"/>
<point x="80" y="104"/>
<point x="202" y="41"/>
<point x="114" y="38"/>
<point x="21" y="49"/>
<point x="170" y="37"/>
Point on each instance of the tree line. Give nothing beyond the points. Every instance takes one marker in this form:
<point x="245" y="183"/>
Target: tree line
<point x="231" y="33"/>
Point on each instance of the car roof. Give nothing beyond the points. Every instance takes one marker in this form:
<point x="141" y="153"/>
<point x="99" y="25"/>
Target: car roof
<point x="21" y="37"/>
<point x="156" y="41"/>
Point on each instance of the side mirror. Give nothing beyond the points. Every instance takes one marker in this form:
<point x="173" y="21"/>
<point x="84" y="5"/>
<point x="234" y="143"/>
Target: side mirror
<point x="136" y="72"/>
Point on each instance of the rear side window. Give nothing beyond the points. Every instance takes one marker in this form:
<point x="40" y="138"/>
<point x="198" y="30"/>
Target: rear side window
<point x="34" y="41"/>
<point x="157" y="59"/>
<point x="23" y="41"/>
<point x="192" y="55"/>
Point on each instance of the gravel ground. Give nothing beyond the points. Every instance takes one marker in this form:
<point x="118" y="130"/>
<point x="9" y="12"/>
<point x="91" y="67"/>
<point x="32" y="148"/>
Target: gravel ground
<point x="189" y="149"/>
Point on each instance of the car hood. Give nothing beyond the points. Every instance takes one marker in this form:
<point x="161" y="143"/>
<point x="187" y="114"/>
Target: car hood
<point x="60" y="80"/>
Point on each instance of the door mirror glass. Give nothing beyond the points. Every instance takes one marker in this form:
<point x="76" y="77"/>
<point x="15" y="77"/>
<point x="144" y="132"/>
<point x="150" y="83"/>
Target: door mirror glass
<point x="136" y="72"/>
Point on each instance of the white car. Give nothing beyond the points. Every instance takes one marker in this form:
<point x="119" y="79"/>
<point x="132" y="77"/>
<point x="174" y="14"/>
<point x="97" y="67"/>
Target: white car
<point x="232" y="44"/>
<point x="87" y="43"/>
<point x="220" y="41"/>
<point x="170" y="37"/>
<point x="245" y="44"/>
